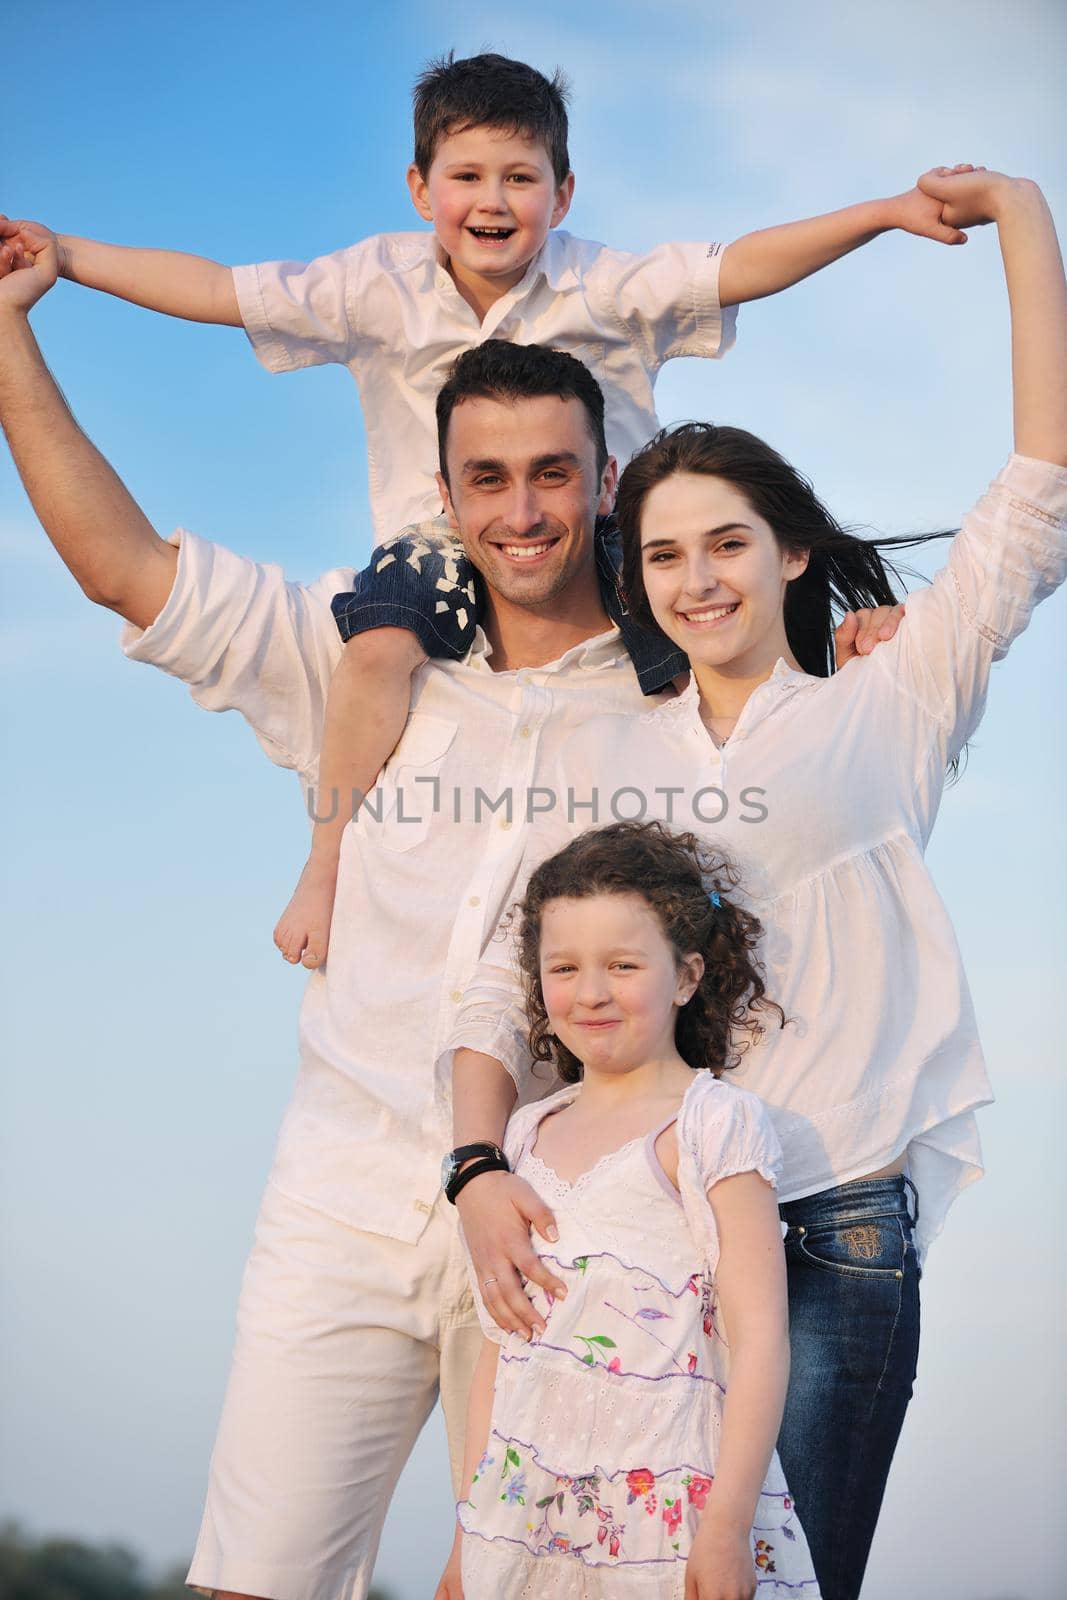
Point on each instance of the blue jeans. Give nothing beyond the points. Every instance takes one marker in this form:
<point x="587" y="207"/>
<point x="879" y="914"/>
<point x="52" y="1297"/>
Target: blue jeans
<point x="854" y="1334"/>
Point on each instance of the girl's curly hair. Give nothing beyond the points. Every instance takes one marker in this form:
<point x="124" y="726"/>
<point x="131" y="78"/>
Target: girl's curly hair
<point x="676" y="875"/>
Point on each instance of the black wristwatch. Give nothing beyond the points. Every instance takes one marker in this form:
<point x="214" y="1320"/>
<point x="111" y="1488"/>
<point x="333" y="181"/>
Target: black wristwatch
<point x="452" y="1180"/>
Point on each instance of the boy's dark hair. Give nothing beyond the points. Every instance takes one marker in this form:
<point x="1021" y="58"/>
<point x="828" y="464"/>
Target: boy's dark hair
<point x="675" y="874"/>
<point x="500" y="370"/>
<point x="490" y="91"/>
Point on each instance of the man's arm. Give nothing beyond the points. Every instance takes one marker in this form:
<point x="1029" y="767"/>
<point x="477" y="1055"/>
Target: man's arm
<point x="170" y="281"/>
<point x="97" y="527"/>
<point x="773" y="259"/>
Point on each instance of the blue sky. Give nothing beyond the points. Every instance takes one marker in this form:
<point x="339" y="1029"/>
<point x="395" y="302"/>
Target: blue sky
<point x="149" y="1024"/>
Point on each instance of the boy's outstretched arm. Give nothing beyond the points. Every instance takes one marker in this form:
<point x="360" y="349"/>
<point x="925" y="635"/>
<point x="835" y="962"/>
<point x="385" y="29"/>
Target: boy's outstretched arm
<point x="163" y="280"/>
<point x="773" y="259"/>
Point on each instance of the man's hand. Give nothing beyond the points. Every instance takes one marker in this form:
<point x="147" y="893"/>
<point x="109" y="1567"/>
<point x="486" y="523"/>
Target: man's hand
<point x="859" y="632"/>
<point x="497" y="1211"/>
<point x="29" y="263"/>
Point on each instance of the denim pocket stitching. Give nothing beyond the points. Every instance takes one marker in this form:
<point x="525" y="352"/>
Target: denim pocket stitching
<point x="885" y="1274"/>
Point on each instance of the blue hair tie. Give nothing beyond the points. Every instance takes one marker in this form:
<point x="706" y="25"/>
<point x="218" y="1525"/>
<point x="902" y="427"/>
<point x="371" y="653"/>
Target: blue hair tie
<point x="714" y="898"/>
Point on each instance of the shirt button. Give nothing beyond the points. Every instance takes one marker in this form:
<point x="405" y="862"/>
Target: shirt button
<point x="475" y="900"/>
<point x="505" y="824"/>
<point x="456" y="996"/>
<point x="525" y="732"/>
<point x="423" y="1206"/>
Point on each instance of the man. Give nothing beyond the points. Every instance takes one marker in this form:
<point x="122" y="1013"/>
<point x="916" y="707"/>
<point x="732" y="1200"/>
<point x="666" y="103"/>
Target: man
<point x="355" y="1310"/>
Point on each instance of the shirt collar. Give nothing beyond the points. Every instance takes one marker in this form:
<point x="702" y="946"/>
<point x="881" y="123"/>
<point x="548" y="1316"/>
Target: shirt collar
<point x="553" y="262"/>
<point x="783" y="683"/>
<point x="597" y="654"/>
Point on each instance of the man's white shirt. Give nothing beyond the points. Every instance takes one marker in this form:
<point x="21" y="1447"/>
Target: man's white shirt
<point x="424" y="877"/>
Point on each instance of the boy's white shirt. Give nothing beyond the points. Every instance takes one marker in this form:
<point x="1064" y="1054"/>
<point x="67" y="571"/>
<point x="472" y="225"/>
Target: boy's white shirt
<point x="388" y="310"/>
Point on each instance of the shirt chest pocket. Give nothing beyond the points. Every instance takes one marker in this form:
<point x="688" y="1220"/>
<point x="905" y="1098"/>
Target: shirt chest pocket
<point x="400" y="811"/>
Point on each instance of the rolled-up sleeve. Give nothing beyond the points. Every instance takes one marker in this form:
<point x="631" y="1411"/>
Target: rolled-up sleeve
<point x="668" y="300"/>
<point x="1009" y="555"/>
<point x="300" y="314"/>
<point x="244" y="639"/>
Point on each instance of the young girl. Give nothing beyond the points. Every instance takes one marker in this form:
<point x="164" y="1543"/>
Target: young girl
<point x="630" y="1449"/>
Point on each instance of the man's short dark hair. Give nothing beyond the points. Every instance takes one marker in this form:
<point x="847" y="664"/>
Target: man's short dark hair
<point x="490" y="91"/>
<point x="500" y="370"/>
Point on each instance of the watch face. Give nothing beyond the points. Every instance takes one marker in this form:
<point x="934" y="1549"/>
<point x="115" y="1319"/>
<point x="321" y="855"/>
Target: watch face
<point x="448" y="1170"/>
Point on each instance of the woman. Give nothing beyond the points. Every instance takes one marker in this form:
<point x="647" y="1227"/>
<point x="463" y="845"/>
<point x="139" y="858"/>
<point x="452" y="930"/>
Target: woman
<point x="825" y="789"/>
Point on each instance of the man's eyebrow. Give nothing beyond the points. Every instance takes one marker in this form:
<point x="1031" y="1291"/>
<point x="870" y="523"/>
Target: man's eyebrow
<point x="554" y="458"/>
<point x="709" y="533"/>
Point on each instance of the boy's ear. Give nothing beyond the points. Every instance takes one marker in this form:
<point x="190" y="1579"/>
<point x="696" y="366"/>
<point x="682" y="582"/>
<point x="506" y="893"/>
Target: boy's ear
<point x="420" y="194"/>
<point x="564" y="196"/>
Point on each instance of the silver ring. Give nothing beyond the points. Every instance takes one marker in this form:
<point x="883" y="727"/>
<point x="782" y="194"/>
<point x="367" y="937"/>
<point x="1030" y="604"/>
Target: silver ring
<point x="487" y="1281"/>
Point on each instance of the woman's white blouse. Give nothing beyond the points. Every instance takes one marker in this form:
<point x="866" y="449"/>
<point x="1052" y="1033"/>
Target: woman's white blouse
<point x="825" y="795"/>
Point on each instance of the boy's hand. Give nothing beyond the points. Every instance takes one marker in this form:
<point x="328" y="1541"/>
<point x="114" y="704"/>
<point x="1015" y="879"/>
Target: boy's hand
<point x="29" y="263"/>
<point x="720" y="1565"/>
<point x="923" y="212"/>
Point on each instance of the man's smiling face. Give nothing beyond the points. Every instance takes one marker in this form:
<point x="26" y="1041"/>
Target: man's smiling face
<point x="524" y="493"/>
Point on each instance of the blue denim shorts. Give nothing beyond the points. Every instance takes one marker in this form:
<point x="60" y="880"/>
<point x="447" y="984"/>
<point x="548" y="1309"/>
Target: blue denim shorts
<point x="422" y="581"/>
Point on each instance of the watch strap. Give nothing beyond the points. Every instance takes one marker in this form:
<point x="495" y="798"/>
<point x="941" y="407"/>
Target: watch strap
<point x="494" y="1163"/>
<point x="467" y="1152"/>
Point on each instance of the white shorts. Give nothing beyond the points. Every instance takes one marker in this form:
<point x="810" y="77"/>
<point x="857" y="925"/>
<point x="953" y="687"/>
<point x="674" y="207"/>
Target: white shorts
<point x="344" y="1340"/>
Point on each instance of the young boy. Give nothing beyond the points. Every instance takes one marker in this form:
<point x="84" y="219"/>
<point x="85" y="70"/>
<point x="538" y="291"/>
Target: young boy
<point x="492" y="175"/>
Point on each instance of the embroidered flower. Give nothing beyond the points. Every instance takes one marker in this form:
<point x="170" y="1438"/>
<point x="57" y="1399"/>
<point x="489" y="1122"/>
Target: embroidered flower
<point x="515" y="1490"/>
<point x="697" y="1487"/>
<point x="613" y="1545"/>
<point x="692" y="1361"/>
<point x="672" y="1515"/>
<point x="640" y="1481"/>
<point x="763" y="1556"/>
<point x="483" y="1466"/>
<point x="614" y="1365"/>
<point x="559" y="1544"/>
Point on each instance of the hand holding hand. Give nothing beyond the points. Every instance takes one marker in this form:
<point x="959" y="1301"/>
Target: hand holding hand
<point x="922" y="212"/>
<point x="969" y="197"/>
<point x="29" y="263"/>
<point x="497" y="1211"/>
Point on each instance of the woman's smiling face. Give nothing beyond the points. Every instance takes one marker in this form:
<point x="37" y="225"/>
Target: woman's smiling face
<point x="715" y="574"/>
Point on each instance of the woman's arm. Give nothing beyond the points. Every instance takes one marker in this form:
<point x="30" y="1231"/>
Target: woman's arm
<point x="751" y="1286"/>
<point x="1037" y="296"/>
<point x="475" y="1444"/>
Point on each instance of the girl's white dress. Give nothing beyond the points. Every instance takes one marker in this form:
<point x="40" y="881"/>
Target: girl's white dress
<point x="605" y="1432"/>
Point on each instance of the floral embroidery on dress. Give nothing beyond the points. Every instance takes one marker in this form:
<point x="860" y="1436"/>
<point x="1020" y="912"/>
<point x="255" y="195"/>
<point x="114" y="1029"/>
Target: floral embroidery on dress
<point x="605" y="1431"/>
